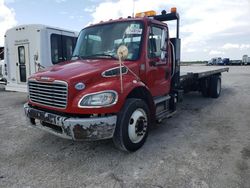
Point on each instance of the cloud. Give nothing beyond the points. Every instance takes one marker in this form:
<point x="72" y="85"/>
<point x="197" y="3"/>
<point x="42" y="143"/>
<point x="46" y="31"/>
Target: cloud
<point x="60" y="1"/>
<point x="7" y="20"/>
<point x="9" y="1"/>
<point x="89" y="9"/>
<point x="215" y="52"/>
<point x="190" y="50"/>
<point x="230" y="46"/>
<point x="124" y="8"/>
<point x="204" y="24"/>
<point x="244" y="46"/>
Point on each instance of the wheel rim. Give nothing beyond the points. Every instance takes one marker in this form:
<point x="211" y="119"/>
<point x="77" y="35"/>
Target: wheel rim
<point x="138" y="124"/>
<point x="218" y="86"/>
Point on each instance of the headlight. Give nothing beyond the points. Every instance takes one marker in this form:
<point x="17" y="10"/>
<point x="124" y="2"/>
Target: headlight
<point x="97" y="100"/>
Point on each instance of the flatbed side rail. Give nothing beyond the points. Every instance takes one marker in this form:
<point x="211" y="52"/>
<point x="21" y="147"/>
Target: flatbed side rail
<point x="209" y="73"/>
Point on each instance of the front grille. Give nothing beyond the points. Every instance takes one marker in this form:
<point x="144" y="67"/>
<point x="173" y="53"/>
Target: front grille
<point x="52" y="94"/>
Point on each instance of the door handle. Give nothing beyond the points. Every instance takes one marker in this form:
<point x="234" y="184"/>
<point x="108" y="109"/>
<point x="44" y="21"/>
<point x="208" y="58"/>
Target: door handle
<point x="16" y="64"/>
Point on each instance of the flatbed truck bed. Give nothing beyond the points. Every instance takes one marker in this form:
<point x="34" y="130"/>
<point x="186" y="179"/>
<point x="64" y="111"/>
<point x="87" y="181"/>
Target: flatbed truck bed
<point x="198" y="77"/>
<point x="200" y="71"/>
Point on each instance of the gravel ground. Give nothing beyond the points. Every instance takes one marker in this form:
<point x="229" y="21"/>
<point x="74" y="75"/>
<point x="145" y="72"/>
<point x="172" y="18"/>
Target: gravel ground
<point x="206" y="144"/>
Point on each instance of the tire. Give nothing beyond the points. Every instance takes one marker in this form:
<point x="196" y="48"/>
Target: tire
<point x="132" y="125"/>
<point x="205" y="88"/>
<point x="215" y="86"/>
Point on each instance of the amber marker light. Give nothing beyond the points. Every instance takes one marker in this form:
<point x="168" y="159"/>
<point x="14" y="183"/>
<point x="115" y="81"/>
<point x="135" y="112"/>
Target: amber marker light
<point x="147" y="13"/>
<point x="173" y="10"/>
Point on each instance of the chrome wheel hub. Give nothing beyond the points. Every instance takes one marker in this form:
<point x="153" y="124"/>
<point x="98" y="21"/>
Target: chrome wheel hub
<point x="138" y="125"/>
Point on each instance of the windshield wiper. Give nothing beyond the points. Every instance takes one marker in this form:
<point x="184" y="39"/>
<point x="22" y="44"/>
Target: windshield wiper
<point x="100" y="54"/>
<point x="75" y="57"/>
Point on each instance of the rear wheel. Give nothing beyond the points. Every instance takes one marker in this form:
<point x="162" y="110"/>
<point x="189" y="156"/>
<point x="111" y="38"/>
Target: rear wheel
<point x="215" y="86"/>
<point x="204" y="85"/>
<point x="132" y="125"/>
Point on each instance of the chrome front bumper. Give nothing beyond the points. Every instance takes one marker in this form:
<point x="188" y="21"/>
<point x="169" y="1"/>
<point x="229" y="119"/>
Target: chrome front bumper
<point x="71" y="128"/>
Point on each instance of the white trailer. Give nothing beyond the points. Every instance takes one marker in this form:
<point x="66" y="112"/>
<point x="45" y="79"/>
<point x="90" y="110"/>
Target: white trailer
<point x="30" y="48"/>
<point x="245" y="60"/>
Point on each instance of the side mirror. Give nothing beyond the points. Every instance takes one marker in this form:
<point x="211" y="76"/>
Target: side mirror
<point x="164" y="45"/>
<point x="164" y="41"/>
<point x="164" y="55"/>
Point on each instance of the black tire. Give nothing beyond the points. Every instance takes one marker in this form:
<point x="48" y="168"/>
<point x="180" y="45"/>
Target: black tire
<point x="121" y="136"/>
<point x="215" y="86"/>
<point x="204" y="85"/>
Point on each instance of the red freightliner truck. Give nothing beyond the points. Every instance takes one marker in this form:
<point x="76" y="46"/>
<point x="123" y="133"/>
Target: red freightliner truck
<point x="93" y="97"/>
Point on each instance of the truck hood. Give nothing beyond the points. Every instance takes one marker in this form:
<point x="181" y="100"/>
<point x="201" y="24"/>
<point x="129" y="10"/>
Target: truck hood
<point x="78" y="70"/>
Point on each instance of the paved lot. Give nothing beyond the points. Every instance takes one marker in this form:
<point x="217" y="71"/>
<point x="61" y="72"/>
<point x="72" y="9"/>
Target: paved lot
<point x="206" y="144"/>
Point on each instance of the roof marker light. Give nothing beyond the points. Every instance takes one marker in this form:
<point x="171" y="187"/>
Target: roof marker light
<point x="147" y="13"/>
<point x="173" y="10"/>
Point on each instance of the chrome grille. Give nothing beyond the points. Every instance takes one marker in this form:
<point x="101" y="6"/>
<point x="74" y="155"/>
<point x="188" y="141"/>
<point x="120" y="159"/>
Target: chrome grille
<point x="52" y="94"/>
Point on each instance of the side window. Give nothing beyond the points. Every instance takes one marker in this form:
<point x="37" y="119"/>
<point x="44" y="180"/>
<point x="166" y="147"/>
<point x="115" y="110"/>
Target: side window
<point x="68" y="46"/>
<point x="22" y="67"/>
<point x="62" y="47"/>
<point x="154" y="42"/>
<point x="56" y="48"/>
<point x="1" y="53"/>
<point x="21" y="55"/>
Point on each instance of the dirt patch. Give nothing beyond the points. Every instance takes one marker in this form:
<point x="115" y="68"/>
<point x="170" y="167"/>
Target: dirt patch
<point x="245" y="152"/>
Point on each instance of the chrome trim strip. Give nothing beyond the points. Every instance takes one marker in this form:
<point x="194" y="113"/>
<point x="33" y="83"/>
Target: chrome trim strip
<point x="103" y="73"/>
<point x="44" y="92"/>
<point x="48" y="103"/>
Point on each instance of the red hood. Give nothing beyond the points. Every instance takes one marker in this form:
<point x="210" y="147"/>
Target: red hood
<point x="79" y="70"/>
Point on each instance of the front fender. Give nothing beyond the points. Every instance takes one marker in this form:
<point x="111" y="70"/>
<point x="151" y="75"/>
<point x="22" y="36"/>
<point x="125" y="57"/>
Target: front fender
<point x="129" y="83"/>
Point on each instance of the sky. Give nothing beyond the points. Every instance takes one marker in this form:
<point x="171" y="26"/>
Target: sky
<point x="209" y="28"/>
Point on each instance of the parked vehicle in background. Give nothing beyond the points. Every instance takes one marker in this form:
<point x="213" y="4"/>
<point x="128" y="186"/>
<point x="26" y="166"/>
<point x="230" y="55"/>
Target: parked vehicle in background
<point x="219" y="61"/>
<point x="2" y="67"/>
<point x="245" y="60"/>
<point x="236" y="62"/>
<point x="30" y="48"/>
<point x="1" y="70"/>
<point x="215" y="61"/>
<point x="226" y="61"/>
<point x="2" y="77"/>
<point x="211" y="61"/>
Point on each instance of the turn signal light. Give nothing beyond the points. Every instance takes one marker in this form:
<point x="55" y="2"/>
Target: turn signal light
<point x="147" y="13"/>
<point x="173" y="10"/>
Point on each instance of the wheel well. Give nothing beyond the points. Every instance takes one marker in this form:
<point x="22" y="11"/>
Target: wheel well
<point x="144" y="94"/>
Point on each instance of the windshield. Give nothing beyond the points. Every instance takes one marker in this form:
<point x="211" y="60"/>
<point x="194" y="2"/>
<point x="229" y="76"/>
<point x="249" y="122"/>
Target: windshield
<point x="103" y="41"/>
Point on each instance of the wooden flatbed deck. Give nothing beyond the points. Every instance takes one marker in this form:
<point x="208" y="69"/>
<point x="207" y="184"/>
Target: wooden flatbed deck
<point x="200" y="71"/>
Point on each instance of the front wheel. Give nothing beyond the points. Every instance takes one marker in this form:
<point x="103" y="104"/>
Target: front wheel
<point x="132" y="125"/>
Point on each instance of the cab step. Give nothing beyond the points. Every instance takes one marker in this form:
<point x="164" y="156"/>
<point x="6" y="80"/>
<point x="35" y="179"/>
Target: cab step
<point x="164" y="107"/>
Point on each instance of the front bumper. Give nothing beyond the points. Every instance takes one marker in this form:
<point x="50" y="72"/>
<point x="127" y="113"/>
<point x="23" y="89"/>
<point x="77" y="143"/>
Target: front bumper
<point x="71" y="128"/>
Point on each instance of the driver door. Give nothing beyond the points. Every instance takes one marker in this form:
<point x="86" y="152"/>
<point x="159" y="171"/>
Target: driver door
<point x="158" y="79"/>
